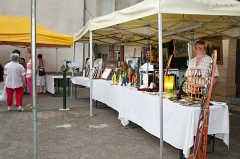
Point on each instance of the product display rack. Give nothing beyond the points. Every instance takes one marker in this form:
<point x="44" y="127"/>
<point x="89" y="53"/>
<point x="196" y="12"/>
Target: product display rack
<point x="195" y="84"/>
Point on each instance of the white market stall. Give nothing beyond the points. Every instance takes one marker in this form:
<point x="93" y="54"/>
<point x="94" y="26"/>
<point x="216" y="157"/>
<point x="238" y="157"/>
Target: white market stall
<point x="153" y="22"/>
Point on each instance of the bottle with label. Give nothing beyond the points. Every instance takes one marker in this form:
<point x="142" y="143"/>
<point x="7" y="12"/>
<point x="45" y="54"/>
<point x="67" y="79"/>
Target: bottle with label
<point x="120" y="77"/>
<point x="114" y="78"/>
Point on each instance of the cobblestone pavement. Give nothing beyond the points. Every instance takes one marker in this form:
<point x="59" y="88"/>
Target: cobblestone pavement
<point x="74" y="134"/>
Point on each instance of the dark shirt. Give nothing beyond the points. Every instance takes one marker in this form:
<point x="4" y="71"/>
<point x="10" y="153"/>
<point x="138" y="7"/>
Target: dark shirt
<point x="1" y="73"/>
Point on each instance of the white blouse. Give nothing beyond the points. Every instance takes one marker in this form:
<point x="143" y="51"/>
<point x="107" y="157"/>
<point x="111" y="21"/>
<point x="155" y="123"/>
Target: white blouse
<point x="14" y="72"/>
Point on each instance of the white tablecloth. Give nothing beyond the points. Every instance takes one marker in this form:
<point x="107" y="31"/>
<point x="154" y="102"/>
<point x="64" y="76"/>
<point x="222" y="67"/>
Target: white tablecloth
<point x="83" y="81"/>
<point x="179" y="122"/>
<point x="105" y="92"/>
<point x="50" y="82"/>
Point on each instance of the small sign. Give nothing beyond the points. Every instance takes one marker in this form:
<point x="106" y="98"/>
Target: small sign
<point x="106" y="73"/>
<point x="145" y="79"/>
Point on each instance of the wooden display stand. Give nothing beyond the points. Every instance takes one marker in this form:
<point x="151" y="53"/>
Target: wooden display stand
<point x="195" y="84"/>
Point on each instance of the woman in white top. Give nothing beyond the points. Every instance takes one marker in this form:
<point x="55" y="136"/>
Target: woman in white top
<point x="15" y="81"/>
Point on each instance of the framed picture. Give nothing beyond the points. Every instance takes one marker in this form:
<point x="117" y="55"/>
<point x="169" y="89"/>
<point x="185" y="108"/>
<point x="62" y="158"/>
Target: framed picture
<point x="106" y="73"/>
<point x="214" y="43"/>
<point x="73" y="67"/>
<point x="97" y="62"/>
<point x="96" y="72"/>
<point x="154" y="55"/>
<point x="165" y="56"/>
<point x="134" y="63"/>
<point x="97" y="68"/>
<point x="180" y="49"/>
<point x="87" y="67"/>
<point x="145" y="55"/>
<point x="113" y="63"/>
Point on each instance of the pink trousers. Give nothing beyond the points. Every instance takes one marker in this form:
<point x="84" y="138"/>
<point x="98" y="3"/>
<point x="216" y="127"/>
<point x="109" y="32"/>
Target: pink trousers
<point x="29" y="85"/>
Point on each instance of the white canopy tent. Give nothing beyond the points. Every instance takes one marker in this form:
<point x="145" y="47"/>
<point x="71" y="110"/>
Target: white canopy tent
<point x="138" y="24"/>
<point x="155" y="21"/>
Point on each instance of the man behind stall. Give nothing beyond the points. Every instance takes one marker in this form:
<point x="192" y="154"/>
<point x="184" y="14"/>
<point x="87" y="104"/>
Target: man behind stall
<point x="202" y="61"/>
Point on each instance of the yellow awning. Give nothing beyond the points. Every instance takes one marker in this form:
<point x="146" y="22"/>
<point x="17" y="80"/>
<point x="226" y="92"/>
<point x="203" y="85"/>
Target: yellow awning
<point x="16" y="31"/>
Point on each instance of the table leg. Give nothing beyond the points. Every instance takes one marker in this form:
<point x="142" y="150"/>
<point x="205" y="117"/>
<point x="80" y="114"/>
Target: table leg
<point x="75" y="90"/>
<point x="213" y="143"/>
<point x="181" y="154"/>
<point x="68" y="86"/>
<point x="131" y="125"/>
<point x="54" y="85"/>
<point x="58" y="84"/>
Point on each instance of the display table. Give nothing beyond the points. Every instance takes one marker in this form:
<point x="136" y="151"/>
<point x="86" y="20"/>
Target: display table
<point x="51" y="79"/>
<point x="79" y="80"/>
<point x="179" y="122"/>
<point x="105" y="92"/>
<point x="83" y="81"/>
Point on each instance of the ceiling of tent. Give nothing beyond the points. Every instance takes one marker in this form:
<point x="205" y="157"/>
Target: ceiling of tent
<point x="125" y="28"/>
<point x="16" y="31"/>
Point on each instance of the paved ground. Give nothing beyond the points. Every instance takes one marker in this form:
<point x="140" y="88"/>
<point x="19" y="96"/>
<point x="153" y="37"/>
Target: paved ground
<point x="86" y="138"/>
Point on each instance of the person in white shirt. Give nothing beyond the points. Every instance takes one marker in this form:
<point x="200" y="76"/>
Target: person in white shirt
<point x="15" y="81"/>
<point x="202" y="61"/>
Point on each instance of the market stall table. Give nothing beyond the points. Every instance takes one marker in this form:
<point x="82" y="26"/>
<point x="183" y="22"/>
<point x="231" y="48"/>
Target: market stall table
<point x="80" y="80"/>
<point x="112" y="98"/>
<point x="179" y="122"/>
<point x="51" y="79"/>
<point x="83" y="81"/>
<point x="105" y="92"/>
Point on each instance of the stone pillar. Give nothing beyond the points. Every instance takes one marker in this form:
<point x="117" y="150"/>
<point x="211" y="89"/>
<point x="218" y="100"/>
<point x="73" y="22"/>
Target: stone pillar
<point x="226" y="86"/>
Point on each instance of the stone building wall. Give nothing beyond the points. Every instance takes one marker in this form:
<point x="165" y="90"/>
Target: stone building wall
<point x="226" y="86"/>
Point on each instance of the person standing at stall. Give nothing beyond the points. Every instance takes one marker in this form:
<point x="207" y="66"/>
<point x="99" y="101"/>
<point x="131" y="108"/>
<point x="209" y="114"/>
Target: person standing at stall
<point x="1" y="73"/>
<point x="20" y="61"/>
<point x="41" y="78"/>
<point x="29" y="74"/>
<point x="15" y="81"/>
<point x="202" y="61"/>
<point x="127" y="71"/>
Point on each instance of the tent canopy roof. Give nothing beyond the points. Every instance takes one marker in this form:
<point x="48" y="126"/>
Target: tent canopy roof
<point x="16" y="31"/>
<point x="138" y="24"/>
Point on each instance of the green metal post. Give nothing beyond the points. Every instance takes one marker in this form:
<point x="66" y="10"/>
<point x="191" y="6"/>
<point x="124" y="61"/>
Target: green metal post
<point x="64" y="89"/>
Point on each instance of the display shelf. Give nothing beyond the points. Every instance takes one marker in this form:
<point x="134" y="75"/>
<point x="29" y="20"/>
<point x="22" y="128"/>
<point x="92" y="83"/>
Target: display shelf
<point x="195" y="84"/>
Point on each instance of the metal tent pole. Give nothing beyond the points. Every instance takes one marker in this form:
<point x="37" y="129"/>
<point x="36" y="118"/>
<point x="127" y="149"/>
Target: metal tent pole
<point x="33" y="60"/>
<point x="91" y="82"/>
<point x="72" y="70"/>
<point x="84" y="21"/>
<point x="74" y="43"/>
<point x="160" y="79"/>
<point x="56" y="61"/>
